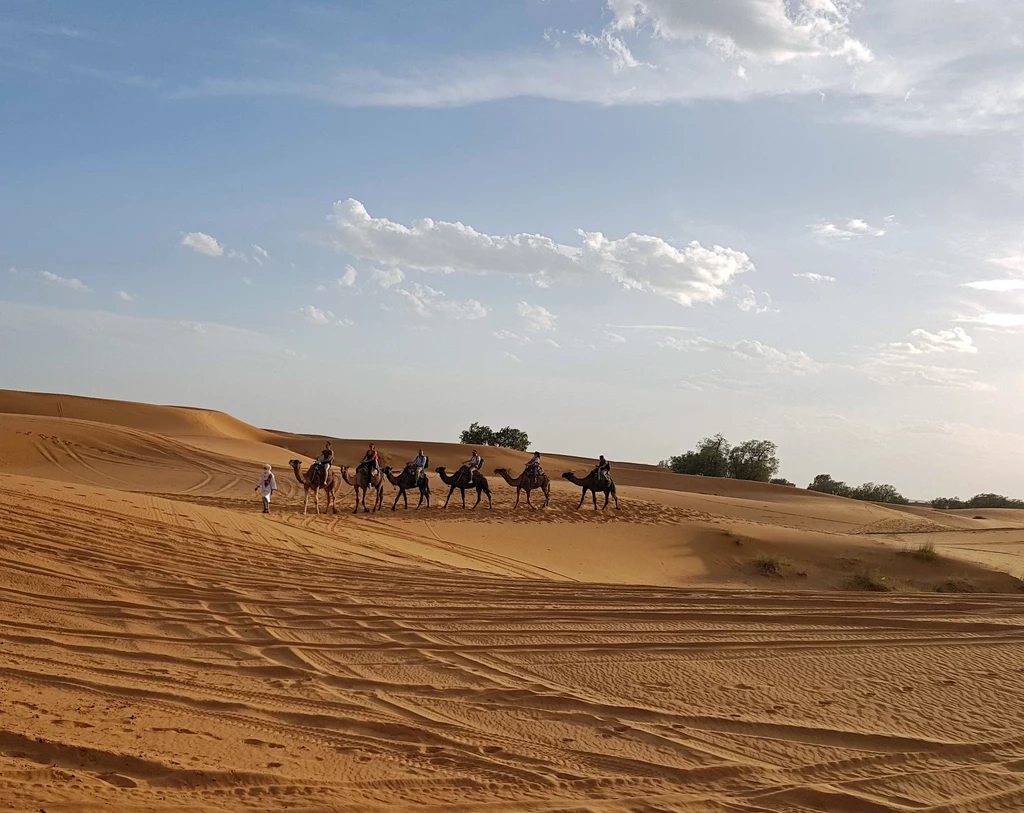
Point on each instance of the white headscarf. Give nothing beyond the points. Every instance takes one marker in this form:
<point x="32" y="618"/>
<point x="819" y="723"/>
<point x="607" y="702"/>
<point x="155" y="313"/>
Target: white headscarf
<point x="266" y="467"/>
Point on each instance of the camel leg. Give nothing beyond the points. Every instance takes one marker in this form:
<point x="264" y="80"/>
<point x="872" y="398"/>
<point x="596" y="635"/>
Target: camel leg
<point x="582" y="498"/>
<point x="316" y="500"/>
<point x="532" y="508"/>
<point x="479" y="491"/>
<point x="305" y="503"/>
<point x="450" y="492"/>
<point x="593" y="494"/>
<point x="356" y="490"/>
<point x="462" y="491"/>
<point x="405" y="498"/>
<point x="397" y="496"/>
<point x="518" y="491"/>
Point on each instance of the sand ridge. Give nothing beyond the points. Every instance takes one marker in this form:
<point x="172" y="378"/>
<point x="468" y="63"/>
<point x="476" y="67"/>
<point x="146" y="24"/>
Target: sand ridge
<point x="163" y="646"/>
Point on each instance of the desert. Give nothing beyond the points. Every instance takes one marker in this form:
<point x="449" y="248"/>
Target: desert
<point x="165" y="646"/>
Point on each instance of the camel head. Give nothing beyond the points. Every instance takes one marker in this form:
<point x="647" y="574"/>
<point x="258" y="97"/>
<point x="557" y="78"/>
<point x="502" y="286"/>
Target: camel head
<point x="568" y="475"/>
<point x="387" y="470"/>
<point x="294" y="463"/>
<point x="440" y="469"/>
<point x="501" y="471"/>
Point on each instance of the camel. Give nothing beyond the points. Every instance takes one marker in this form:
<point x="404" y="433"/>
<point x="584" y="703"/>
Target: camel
<point x="461" y="482"/>
<point x="363" y="482"/>
<point x="308" y="485"/>
<point x="593" y="484"/>
<point x="407" y="480"/>
<point x="527" y="484"/>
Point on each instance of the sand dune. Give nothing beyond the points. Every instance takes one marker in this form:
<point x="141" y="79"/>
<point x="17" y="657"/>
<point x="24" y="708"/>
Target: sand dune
<point x="163" y="646"/>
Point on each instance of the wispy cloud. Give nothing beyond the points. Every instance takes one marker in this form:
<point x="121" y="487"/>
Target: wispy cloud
<point x="426" y="301"/>
<point x="316" y="316"/>
<point x="795" y="361"/>
<point x="124" y="296"/>
<point x="850" y="230"/>
<point x="70" y="283"/>
<point x="810" y="276"/>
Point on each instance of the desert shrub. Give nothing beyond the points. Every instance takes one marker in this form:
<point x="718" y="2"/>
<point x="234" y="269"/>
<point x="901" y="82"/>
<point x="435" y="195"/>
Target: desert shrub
<point x="867" y="580"/>
<point x="770" y="564"/>
<point x="925" y="552"/>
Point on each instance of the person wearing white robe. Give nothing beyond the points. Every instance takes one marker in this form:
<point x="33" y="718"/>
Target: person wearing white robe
<point x="266" y="486"/>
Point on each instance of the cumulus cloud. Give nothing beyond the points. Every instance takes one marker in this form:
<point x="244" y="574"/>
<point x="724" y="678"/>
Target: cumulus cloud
<point x="772" y="29"/>
<point x="795" y="361"/>
<point x="991" y="319"/>
<point x="387" y="277"/>
<point x="70" y="283"/>
<point x="812" y="277"/>
<point x="921" y="342"/>
<point x="850" y="230"/>
<point x="203" y="243"/>
<point x="537" y="317"/>
<point x="689" y="275"/>
<point x="426" y="301"/>
<point x="124" y="296"/>
<point x="316" y="316"/>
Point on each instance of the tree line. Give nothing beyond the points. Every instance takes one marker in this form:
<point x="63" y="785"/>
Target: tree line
<point x="755" y="460"/>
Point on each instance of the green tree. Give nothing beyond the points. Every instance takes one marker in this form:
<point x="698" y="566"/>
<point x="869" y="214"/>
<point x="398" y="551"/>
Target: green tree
<point x="477" y="435"/>
<point x="754" y="460"/>
<point x="824" y="484"/>
<point x="878" y="492"/>
<point x="710" y="458"/>
<point x="781" y="481"/>
<point x="510" y="438"/>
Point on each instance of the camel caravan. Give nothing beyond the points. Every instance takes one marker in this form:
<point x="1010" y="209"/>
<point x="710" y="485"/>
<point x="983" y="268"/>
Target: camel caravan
<point x="369" y="477"/>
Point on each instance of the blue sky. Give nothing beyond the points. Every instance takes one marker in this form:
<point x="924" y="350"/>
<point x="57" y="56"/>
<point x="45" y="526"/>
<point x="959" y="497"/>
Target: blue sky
<point x="618" y="225"/>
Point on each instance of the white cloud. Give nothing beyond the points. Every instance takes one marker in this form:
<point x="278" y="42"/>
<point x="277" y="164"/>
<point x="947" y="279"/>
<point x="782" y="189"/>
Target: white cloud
<point x="849" y="230"/>
<point x="752" y="302"/>
<point x="899" y="362"/>
<point x="508" y="335"/>
<point x="998" y="285"/>
<point x="921" y="342"/>
<point x="426" y="301"/>
<point x="795" y="361"/>
<point x="1015" y="262"/>
<point x="537" y="317"/>
<point x="237" y="255"/>
<point x="124" y="296"/>
<point x="689" y="275"/>
<point x="771" y="29"/>
<point x="553" y="343"/>
<point x="653" y="328"/>
<point x="954" y="71"/>
<point x="812" y="277"/>
<point x="387" y="277"/>
<point x="71" y="283"/>
<point x="995" y="320"/>
<point x="511" y="357"/>
<point x="203" y="243"/>
<point x="316" y="316"/>
<point x="616" y="338"/>
<point x="259" y="254"/>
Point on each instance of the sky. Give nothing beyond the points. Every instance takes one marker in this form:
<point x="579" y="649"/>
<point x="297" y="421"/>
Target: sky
<point x="619" y="225"/>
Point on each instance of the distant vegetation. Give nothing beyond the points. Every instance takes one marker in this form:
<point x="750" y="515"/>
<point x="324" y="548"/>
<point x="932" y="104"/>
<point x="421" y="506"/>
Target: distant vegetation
<point x="715" y="457"/>
<point x="870" y="492"/>
<point x="978" y="501"/>
<point x="506" y="438"/>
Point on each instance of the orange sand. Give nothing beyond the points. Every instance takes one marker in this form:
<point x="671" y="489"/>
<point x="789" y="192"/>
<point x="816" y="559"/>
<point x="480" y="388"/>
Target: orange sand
<point x="164" y="646"/>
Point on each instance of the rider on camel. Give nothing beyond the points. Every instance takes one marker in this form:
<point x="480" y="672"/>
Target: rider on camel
<point x="419" y="463"/>
<point x="325" y="460"/>
<point x="473" y="465"/>
<point x="533" y="467"/>
<point x="371" y="461"/>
